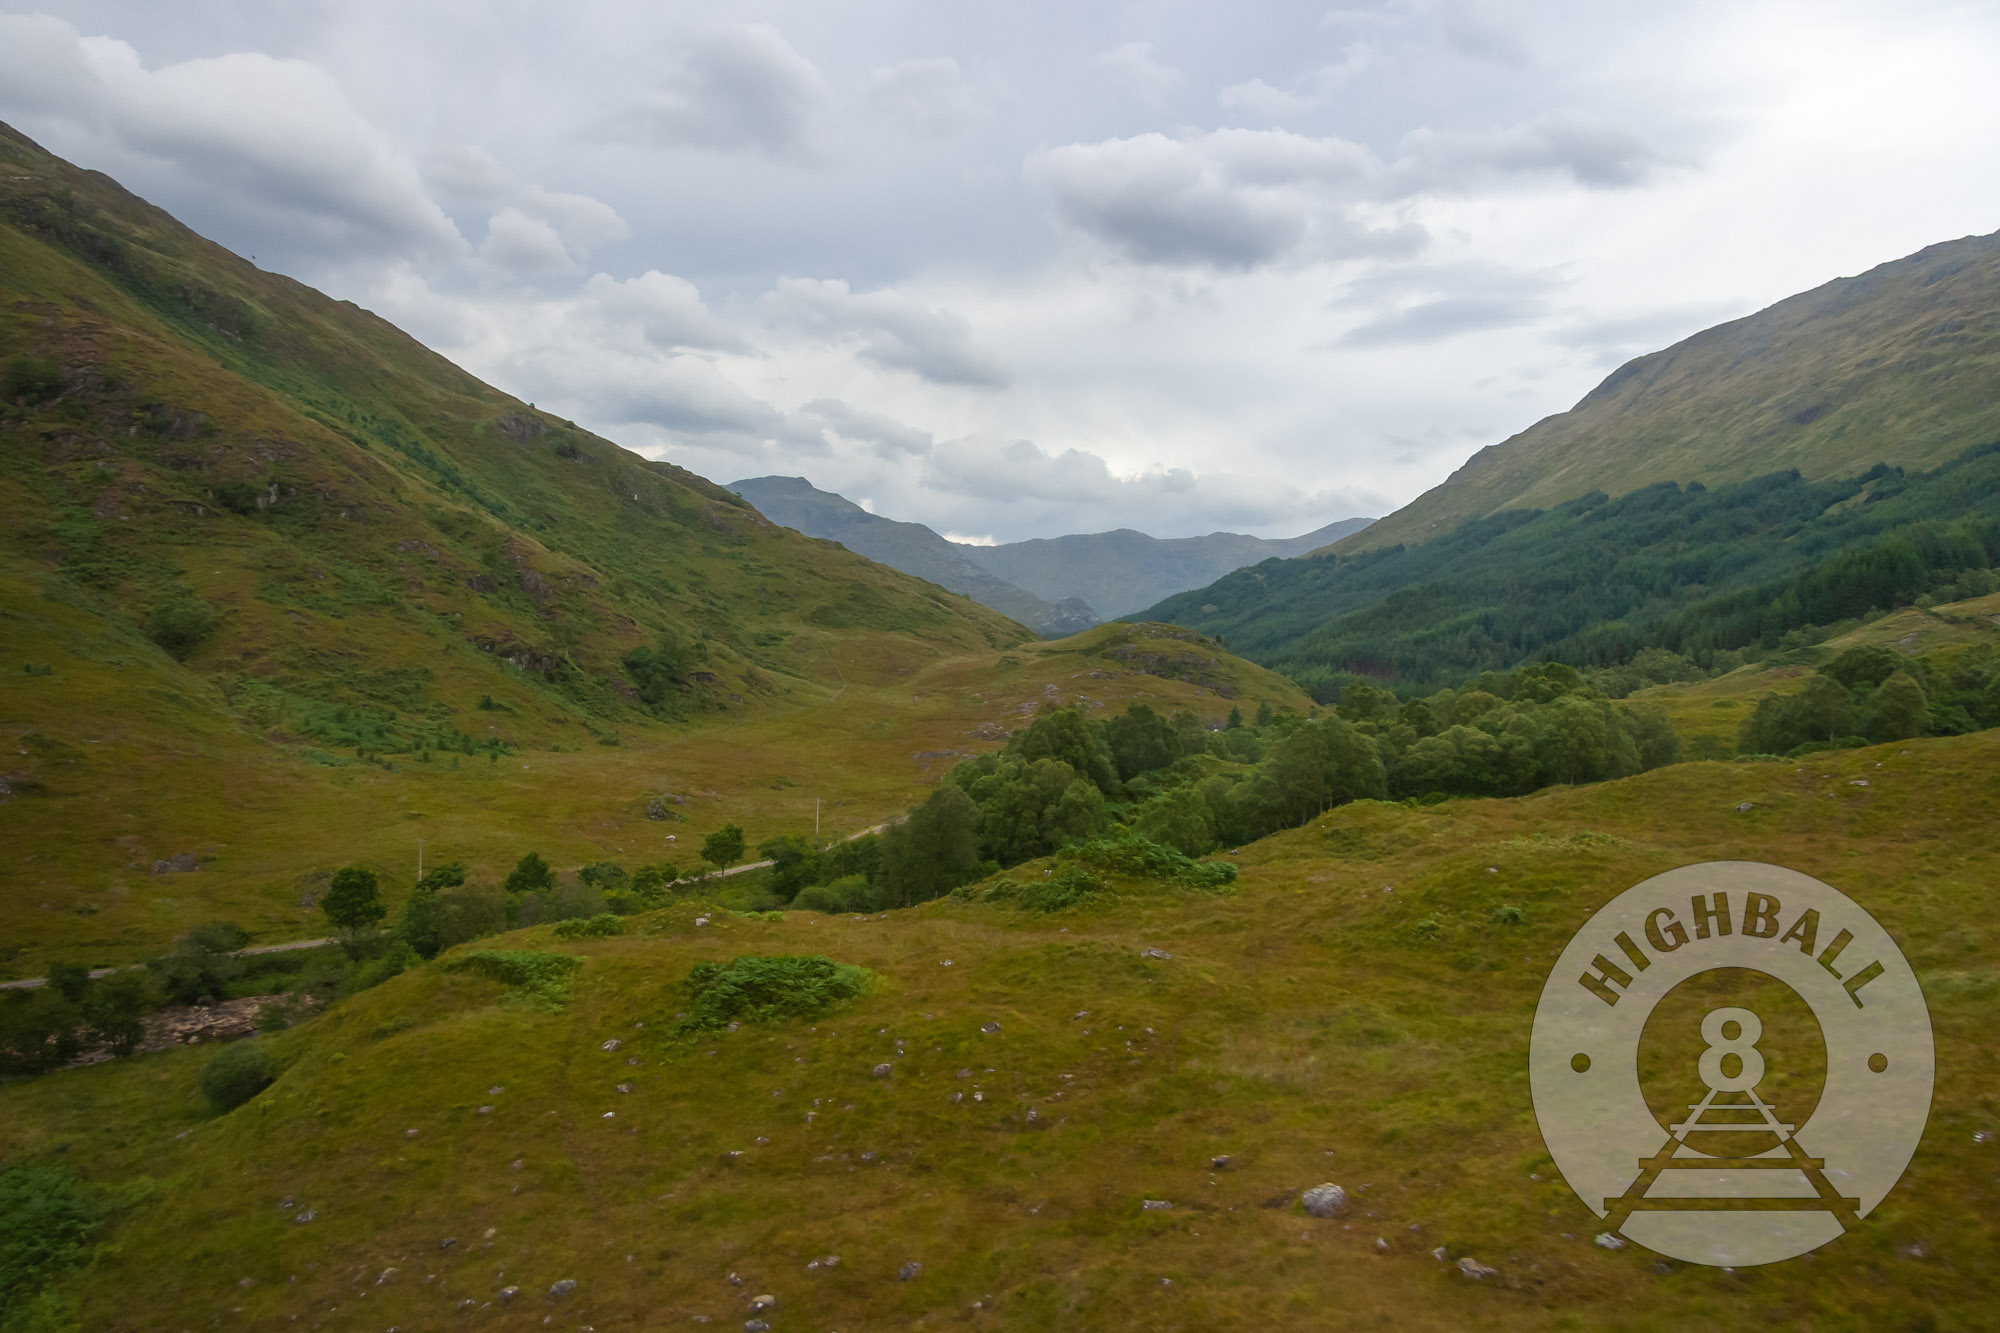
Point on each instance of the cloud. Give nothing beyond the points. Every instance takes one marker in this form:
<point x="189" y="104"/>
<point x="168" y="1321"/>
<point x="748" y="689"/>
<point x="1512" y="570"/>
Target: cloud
<point x="731" y="90"/>
<point x="889" y="438"/>
<point x="930" y="96"/>
<point x="1308" y="93"/>
<point x="668" y="311"/>
<point x="1228" y="198"/>
<point x="471" y="177"/>
<point x="525" y="247"/>
<point x="885" y="327"/>
<point x="1132" y="69"/>
<point x="1596" y="152"/>
<point x="270" y="149"/>
<point x="1444" y="317"/>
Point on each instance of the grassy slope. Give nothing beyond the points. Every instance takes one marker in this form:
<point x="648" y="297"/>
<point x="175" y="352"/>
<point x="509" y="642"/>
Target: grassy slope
<point x="1300" y="1027"/>
<point x="134" y="771"/>
<point x="1897" y="364"/>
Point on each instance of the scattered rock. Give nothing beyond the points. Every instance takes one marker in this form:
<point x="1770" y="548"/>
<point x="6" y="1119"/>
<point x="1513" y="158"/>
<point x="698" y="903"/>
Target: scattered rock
<point x="508" y="1293"/>
<point x="484" y="1110"/>
<point x="756" y="1326"/>
<point x="611" y="1045"/>
<point x="1324" y="1200"/>
<point x="625" y="1087"/>
<point x="465" y="1304"/>
<point x="1914" y="1250"/>
<point x="558" y="1290"/>
<point x="1745" y="807"/>
<point x="409" y="1133"/>
<point x="180" y="863"/>
<point x="447" y="1242"/>
<point x="957" y="1097"/>
<point x="1470" y="1267"/>
<point x="1858" y="782"/>
<point x="759" y="1304"/>
<point x="385" y="1275"/>
<point x="1607" y="1241"/>
<point x="963" y="1073"/>
<point x="517" y="1164"/>
<point x="1220" y="1161"/>
<point x="248" y="1282"/>
<point x="609" y="1115"/>
<point x="881" y="1071"/>
<point x="989" y="1026"/>
<point x="1155" y="953"/>
<point x="1155" y="1206"/>
<point x="944" y="962"/>
<point x="285" y="1204"/>
<point x="1982" y="1136"/>
<point x="701" y="921"/>
<point x="1438" y="1254"/>
<point x="1381" y="1245"/>
<point x="306" y="1215"/>
<point x="908" y="1271"/>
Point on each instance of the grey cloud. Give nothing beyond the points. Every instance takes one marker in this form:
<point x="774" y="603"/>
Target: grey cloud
<point x="1230" y="198"/>
<point x="471" y="176"/>
<point x="685" y="394"/>
<point x="1596" y="152"/>
<point x="887" y="328"/>
<point x="889" y="437"/>
<point x="668" y="310"/>
<point x="1445" y="317"/>
<point x="930" y="96"/>
<point x="525" y="247"/>
<point x="1132" y="69"/>
<point x="271" y="148"/>
<point x="732" y="89"/>
<point x="1306" y="94"/>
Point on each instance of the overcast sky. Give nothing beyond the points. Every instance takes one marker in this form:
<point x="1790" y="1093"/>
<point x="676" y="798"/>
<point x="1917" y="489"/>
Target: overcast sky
<point x="1025" y="269"/>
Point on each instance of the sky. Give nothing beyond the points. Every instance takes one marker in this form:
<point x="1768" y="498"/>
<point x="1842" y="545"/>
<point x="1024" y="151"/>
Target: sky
<point x="1027" y="269"/>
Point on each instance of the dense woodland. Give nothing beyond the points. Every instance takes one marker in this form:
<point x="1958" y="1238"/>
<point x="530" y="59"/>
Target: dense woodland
<point x="1697" y="571"/>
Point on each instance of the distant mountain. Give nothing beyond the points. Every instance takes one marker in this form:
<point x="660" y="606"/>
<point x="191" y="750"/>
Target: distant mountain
<point x="1057" y="585"/>
<point x="1125" y="571"/>
<point x="1899" y="365"/>
<point x="910" y="547"/>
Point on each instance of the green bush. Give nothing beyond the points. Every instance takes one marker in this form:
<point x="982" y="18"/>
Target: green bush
<point x="768" y="989"/>
<point x="849" y="893"/>
<point x="30" y="380"/>
<point x="543" y="977"/>
<point x="1068" y="887"/>
<point x="595" y="927"/>
<point x="47" y="1215"/>
<point x="1136" y="857"/>
<point x="235" y="1074"/>
<point x="179" y="623"/>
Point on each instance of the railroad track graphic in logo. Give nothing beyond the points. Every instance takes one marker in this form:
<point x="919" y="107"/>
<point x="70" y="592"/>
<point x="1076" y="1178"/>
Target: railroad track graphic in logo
<point x="1731" y="1063"/>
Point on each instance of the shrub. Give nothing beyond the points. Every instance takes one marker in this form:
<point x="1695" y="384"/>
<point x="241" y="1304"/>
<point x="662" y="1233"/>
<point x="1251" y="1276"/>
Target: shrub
<point x="30" y="380"/>
<point x="849" y="893"/>
<point x="1137" y="857"/>
<point x="768" y="989"/>
<point x="353" y="902"/>
<point x="235" y="1074"/>
<point x="47" y="1215"/>
<point x="1509" y="916"/>
<point x="1068" y="887"/>
<point x="469" y="911"/>
<point x="544" y="977"/>
<point x="531" y="874"/>
<point x="179" y="623"/>
<point x="595" y="927"/>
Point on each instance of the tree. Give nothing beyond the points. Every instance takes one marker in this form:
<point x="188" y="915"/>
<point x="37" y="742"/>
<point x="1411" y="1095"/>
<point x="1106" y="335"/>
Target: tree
<point x="935" y="850"/>
<point x="1898" y="709"/>
<point x="724" y="847"/>
<point x="423" y="915"/>
<point x="531" y="874"/>
<point x="1235" y="722"/>
<point x="1141" y="741"/>
<point x="794" y="864"/>
<point x="352" y="902"/>
<point x="235" y="1074"/>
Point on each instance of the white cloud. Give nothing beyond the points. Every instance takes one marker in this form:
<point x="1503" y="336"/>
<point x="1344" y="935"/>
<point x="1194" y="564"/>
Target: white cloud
<point x="1309" y="93"/>
<point x="730" y="89"/>
<point x="887" y="328"/>
<point x="267" y="149"/>
<point x="1593" y="150"/>
<point x="1132" y="69"/>
<point x="468" y="175"/>
<point x="889" y="438"/>
<point x="929" y="96"/>
<point x="667" y="310"/>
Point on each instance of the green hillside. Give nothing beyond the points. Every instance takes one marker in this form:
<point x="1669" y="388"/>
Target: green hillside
<point x="1897" y="366"/>
<point x="1698" y="571"/>
<point x="1311" y="1026"/>
<point x="282" y="590"/>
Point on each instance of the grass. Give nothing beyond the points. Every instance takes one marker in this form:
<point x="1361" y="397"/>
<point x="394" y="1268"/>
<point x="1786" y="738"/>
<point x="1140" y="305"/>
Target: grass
<point x="1300" y="1026"/>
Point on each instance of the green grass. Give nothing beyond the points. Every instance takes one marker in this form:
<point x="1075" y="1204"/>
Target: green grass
<point x="1300" y="1025"/>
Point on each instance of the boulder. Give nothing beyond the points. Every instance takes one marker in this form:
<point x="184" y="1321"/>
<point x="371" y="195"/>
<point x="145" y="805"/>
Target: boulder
<point x="1324" y="1200"/>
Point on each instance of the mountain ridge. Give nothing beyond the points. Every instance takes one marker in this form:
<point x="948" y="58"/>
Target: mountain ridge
<point x="1895" y="364"/>
<point x="1045" y="581"/>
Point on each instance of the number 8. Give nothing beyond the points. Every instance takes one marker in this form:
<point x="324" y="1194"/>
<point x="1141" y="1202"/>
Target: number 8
<point x="1722" y="1044"/>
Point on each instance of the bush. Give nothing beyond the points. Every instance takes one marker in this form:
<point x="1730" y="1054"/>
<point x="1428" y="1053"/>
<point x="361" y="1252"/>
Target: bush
<point x="768" y="989"/>
<point x="1140" y="858"/>
<point x="353" y="902"/>
<point x="544" y="977"/>
<point x="468" y="912"/>
<point x="531" y="874"/>
<point x="849" y="893"/>
<point x="1068" y="887"/>
<point x="235" y="1074"/>
<point x="596" y="927"/>
<point x="179" y="623"/>
<point x="47" y="1215"/>
<point x="30" y="380"/>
